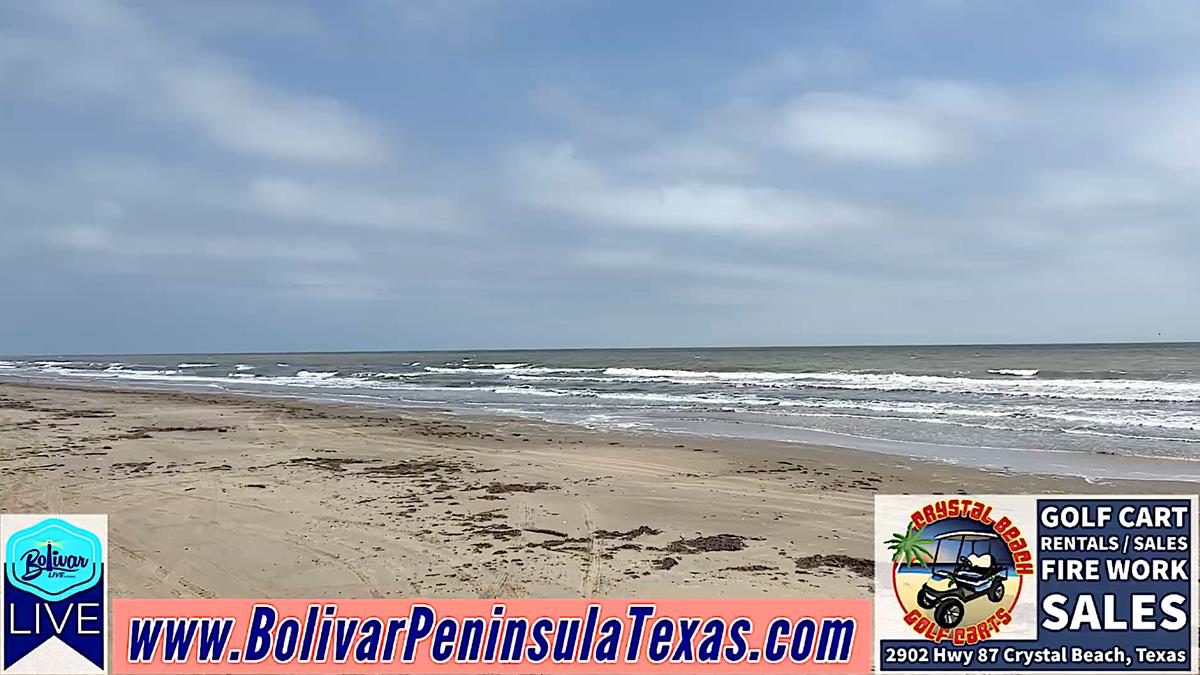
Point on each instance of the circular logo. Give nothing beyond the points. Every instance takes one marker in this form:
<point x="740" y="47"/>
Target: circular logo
<point x="53" y="560"/>
<point x="957" y="570"/>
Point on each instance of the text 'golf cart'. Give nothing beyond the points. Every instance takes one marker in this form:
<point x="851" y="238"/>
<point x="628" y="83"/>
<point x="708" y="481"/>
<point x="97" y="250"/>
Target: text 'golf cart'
<point x="973" y="574"/>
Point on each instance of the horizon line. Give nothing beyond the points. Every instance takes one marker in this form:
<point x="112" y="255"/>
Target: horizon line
<point x="643" y="348"/>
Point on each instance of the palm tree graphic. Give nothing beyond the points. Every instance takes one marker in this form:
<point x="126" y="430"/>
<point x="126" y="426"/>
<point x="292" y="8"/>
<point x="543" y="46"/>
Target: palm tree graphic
<point x="910" y="547"/>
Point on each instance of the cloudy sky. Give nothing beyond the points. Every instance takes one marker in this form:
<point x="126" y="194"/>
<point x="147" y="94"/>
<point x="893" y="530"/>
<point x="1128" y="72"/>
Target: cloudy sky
<point x="228" y="176"/>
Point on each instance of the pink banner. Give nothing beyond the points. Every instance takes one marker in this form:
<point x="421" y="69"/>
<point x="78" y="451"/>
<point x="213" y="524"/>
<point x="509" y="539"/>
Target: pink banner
<point x="491" y="636"/>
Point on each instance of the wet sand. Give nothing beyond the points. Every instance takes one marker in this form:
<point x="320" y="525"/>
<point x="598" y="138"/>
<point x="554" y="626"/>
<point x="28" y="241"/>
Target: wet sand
<point x="228" y="496"/>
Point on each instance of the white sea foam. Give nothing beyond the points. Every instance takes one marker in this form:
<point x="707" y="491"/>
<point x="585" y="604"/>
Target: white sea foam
<point x="521" y="377"/>
<point x="1117" y="390"/>
<point x="118" y="373"/>
<point x="912" y="410"/>
<point x="1109" y="389"/>
<point x="1024" y="386"/>
<point x="479" y="367"/>
<point x="604" y="421"/>
<point x="1128" y="418"/>
<point x="1126" y="413"/>
<point x="120" y="369"/>
<point x="316" y="374"/>
<point x="386" y="376"/>
<point x="1111" y="434"/>
<point x="684" y="399"/>
<point x="510" y="369"/>
<point x="710" y="375"/>
<point x="529" y="391"/>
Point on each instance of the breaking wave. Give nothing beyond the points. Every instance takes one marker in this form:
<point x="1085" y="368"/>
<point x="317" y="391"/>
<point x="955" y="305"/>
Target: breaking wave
<point x="1015" y="372"/>
<point x="1072" y="404"/>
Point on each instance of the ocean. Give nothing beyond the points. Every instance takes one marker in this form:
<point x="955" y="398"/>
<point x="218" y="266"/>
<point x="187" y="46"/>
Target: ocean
<point x="1098" y="411"/>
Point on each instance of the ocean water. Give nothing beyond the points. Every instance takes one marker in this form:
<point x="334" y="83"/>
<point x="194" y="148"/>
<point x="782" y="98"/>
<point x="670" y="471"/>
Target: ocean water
<point x="1100" y="411"/>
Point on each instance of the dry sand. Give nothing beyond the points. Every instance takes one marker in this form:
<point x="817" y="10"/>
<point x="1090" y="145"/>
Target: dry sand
<point x="225" y="496"/>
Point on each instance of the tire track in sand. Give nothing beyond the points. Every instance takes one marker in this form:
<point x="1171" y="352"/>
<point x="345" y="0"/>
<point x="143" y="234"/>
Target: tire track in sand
<point x="592" y="575"/>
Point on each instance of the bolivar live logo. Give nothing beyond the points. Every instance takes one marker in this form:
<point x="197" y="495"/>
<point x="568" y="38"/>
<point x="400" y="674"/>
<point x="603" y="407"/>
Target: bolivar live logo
<point x="54" y="594"/>
<point x="957" y="570"/>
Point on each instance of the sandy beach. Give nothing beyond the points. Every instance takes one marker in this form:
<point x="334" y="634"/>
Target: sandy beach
<point x="229" y="496"/>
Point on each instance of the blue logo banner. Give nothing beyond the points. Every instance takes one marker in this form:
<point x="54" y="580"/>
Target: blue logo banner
<point x="30" y="620"/>
<point x="54" y="587"/>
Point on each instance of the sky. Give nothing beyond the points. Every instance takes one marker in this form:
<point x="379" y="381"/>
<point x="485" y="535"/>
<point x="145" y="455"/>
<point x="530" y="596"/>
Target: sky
<point x="368" y="175"/>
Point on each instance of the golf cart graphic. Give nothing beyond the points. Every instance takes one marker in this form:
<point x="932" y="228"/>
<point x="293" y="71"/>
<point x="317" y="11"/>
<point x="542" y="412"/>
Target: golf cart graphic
<point x="952" y="574"/>
<point x="974" y="574"/>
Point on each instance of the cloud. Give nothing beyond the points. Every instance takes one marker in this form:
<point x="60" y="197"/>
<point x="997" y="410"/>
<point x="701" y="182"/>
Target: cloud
<point x="454" y="20"/>
<point x="928" y="123"/>
<point x="637" y="141"/>
<point x="90" y="238"/>
<point x="337" y="205"/>
<point x="1089" y="190"/>
<point x="1132" y="21"/>
<point x="139" y="196"/>
<point x="342" y="286"/>
<point x="159" y="157"/>
<point x="1168" y="134"/>
<point x="94" y="51"/>
<point x="241" y="115"/>
<point x="558" y="102"/>
<point x="85" y="237"/>
<point x="652" y="262"/>
<point x="855" y="128"/>
<point x="795" y="66"/>
<point x="236" y="17"/>
<point x="556" y="179"/>
<point x="693" y="156"/>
